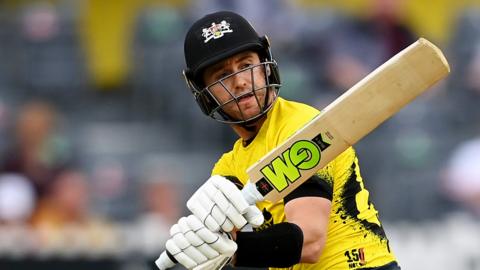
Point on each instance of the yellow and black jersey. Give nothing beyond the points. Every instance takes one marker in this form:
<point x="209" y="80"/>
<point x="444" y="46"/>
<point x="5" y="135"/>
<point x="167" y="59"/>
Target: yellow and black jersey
<point x="355" y="237"/>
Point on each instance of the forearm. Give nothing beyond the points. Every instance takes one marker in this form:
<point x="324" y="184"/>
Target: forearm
<point x="313" y="244"/>
<point x="314" y="227"/>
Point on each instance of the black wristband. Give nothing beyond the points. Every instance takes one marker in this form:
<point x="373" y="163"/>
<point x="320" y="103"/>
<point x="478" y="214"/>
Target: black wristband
<point x="277" y="246"/>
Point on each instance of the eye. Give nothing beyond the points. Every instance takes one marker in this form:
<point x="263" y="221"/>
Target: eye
<point x="245" y="65"/>
<point x="221" y="75"/>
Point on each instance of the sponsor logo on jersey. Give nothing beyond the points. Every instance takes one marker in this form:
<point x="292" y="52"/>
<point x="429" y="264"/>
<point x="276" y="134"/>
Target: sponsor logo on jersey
<point x="355" y="258"/>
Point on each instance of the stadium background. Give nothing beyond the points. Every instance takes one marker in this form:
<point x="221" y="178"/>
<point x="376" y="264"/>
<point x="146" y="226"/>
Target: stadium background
<point x="101" y="143"/>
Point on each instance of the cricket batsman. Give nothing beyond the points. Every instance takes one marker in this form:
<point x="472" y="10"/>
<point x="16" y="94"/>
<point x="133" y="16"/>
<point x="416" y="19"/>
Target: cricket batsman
<point x="328" y="222"/>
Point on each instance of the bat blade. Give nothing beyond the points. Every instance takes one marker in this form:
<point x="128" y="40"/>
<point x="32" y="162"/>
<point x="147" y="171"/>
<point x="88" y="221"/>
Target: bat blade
<point x="349" y="118"/>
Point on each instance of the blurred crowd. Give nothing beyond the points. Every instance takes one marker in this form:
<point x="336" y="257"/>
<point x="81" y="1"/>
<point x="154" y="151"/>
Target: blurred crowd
<point x="101" y="142"/>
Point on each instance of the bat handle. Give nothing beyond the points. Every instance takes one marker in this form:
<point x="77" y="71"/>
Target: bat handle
<point x="251" y="193"/>
<point x="164" y="262"/>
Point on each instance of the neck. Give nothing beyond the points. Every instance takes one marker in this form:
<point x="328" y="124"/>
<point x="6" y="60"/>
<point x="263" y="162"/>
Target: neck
<point x="248" y="132"/>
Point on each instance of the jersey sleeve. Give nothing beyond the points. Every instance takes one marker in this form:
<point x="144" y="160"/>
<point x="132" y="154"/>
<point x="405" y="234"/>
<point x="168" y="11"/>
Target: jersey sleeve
<point x="322" y="183"/>
<point x="315" y="186"/>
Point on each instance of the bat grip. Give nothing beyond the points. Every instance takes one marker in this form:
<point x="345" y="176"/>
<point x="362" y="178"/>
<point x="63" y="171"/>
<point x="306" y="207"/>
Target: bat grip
<point x="251" y="194"/>
<point x="164" y="262"/>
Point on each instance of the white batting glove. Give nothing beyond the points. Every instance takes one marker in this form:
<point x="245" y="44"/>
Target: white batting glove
<point x="192" y="244"/>
<point x="220" y="205"/>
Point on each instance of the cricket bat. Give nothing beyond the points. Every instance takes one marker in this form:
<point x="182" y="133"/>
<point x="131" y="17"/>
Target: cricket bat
<point x="349" y="118"/>
<point x="345" y="121"/>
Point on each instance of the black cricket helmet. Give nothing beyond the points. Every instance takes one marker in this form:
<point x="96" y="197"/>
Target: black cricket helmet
<point x="216" y="37"/>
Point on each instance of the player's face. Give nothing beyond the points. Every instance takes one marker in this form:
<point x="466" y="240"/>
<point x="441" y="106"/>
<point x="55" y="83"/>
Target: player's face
<point x="238" y="84"/>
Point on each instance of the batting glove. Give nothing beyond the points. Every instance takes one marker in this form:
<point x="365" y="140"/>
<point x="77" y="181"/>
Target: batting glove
<point x="220" y="205"/>
<point x="193" y="245"/>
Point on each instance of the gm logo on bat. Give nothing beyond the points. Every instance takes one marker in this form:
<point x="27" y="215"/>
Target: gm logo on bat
<point x="285" y="168"/>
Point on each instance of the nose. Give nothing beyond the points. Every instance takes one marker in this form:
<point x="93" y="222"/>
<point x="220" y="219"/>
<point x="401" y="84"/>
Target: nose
<point x="241" y="82"/>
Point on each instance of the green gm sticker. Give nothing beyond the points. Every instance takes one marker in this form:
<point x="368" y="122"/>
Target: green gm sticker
<point x="286" y="168"/>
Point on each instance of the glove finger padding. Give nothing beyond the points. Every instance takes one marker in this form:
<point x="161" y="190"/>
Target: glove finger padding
<point x="223" y="208"/>
<point x="198" y="204"/>
<point x="219" y="242"/>
<point x="225" y="244"/>
<point x="195" y="240"/>
<point x="215" y="206"/>
<point x="179" y="255"/>
<point x="215" y="195"/>
<point x="185" y="246"/>
<point x="224" y="221"/>
<point x="227" y="226"/>
<point x="254" y="216"/>
<point x="231" y="192"/>
<point x="192" y="244"/>
<point x="235" y="217"/>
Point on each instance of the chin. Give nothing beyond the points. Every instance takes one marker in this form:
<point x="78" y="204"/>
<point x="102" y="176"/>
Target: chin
<point x="249" y="115"/>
